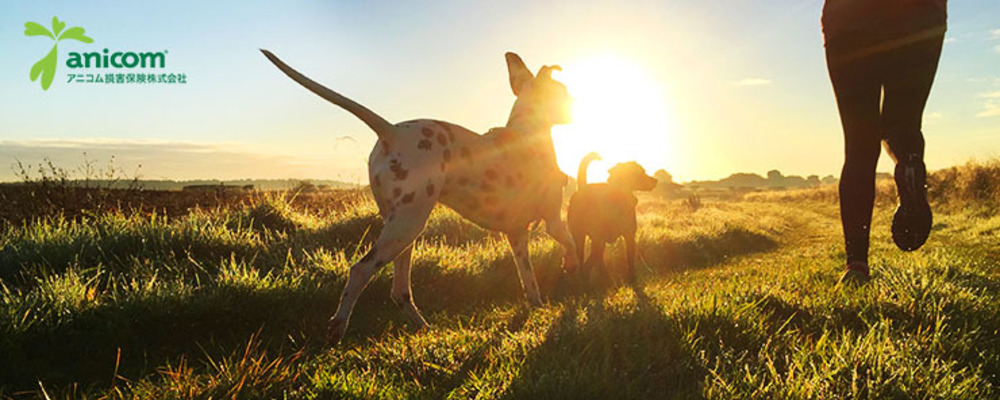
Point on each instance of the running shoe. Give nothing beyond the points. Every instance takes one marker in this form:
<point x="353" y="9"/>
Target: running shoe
<point x="912" y="223"/>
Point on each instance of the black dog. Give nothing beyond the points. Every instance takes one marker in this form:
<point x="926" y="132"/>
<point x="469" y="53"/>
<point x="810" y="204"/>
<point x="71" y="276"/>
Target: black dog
<point x="605" y="211"/>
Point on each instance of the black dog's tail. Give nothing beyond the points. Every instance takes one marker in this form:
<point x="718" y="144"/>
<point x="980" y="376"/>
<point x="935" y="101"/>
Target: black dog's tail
<point x="581" y="174"/>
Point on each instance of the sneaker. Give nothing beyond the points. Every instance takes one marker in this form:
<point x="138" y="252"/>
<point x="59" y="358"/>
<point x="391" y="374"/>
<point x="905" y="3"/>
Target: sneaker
<point x="856" y="274"/>
<point x="912" y="223"/>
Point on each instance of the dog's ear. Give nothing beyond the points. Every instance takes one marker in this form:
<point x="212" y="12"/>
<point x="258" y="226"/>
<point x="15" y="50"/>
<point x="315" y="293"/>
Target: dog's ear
<point x="546" y="71"/>
<point x="520" y="76"/>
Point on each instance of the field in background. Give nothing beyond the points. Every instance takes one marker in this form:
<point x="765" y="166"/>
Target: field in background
<point x="175" y="297"/>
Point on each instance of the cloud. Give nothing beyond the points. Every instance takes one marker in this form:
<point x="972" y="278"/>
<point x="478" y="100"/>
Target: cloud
<point x="985" y="81"/>
<point x="153" y="159"/>
<point x="995" y="34"/>
<point x="950" y="40"/>
<point x="990" y="109"/>
<point x="752" y="82"/>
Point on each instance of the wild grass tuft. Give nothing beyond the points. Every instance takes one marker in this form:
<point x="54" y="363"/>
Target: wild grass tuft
<point x="249" y="372"/>
<point x="736" y="298"/>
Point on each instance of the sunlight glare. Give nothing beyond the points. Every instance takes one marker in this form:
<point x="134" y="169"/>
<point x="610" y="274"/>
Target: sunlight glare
<point x="620" y="112"/>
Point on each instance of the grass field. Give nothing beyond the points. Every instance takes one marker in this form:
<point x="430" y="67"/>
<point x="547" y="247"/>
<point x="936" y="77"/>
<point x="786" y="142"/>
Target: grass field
<point x="736" y="299"/>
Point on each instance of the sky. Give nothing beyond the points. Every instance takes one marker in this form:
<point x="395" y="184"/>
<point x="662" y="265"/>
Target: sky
<point x="701" y="89"/>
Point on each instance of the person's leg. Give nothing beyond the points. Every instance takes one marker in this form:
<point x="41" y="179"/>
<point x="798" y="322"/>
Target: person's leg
<point x="858" y="92"/>
<point x="907" y="86"/>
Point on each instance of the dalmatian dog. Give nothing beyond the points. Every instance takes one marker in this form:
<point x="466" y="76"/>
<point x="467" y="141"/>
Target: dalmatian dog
<point x="504" y="180"/>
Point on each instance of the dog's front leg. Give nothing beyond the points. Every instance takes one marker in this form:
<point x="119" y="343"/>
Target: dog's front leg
<point x="519" y="244"/>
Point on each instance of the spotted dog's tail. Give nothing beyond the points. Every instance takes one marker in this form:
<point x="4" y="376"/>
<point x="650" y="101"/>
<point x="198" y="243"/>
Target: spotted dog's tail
<point x="378" y="124"/>
<point x="581" y="174"/>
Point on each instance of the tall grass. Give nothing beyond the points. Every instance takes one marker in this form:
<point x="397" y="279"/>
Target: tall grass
<point x="974" y="184"/>
<point x="736" y="298"/>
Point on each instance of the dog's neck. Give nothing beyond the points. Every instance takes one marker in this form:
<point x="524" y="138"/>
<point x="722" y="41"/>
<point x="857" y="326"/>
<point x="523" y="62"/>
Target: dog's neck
<point x="620" y="185"/>
<point x="533" y="131"/>
<point x="528" y="120"/>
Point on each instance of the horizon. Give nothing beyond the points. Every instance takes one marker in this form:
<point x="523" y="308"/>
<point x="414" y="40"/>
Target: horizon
<point x="99" y="175"/>
<point x="735" y="88"/>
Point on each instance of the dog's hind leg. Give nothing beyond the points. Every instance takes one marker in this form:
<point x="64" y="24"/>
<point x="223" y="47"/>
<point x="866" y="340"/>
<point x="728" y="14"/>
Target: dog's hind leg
<point x="399" y="232"/>
<point x="580" y="242"/>
<point x="401" y="292"/>
<point x="556" y="228"/>
<point x="630" y="255"/>
<point x="519" y="244"/>
<point x="597" y="256"/>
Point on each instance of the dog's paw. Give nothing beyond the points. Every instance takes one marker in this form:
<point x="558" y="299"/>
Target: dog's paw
<point x="423" y="327"/>
<point x="335" y="331"/>
<point x="570" y="264"/>
<point x="419" y="323"/>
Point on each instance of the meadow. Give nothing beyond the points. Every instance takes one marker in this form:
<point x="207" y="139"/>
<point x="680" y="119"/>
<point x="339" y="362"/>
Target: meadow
<point x="736" y="298"/>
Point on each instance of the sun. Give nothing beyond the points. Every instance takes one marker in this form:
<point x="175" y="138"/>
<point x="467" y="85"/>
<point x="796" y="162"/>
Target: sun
<point x="619" y="111"/>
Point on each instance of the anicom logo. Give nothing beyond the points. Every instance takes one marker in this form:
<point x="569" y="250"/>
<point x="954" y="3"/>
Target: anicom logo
<point x="46" y="67"/>
<point x="110" y="61"/>
<point x="117" y="59"/>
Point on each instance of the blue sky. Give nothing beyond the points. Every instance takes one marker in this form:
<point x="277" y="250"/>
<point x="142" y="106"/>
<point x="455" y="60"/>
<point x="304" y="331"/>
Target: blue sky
<point x="745" y="81"/>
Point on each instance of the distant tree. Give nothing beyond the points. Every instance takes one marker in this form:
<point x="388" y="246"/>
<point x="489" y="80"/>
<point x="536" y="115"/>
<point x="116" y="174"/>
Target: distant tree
<point x="744" y="180"/>
<point x="813" y="180"/>
<point x="665" y="185"/>
<point x="663" y="176"/>
<point x="774" y="175"/>
<point x="304" y="187"/>
<point x="793" y="181"/>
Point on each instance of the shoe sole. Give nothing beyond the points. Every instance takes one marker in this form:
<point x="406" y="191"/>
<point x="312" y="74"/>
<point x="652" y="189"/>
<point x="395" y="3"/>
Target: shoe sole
<point x="911" y="225"/>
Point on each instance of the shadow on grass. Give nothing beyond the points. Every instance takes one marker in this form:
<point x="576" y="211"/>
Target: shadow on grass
<point x="593" y="351"/>
<point x="705" y="251"/>
<point x="349" y="233"/>
<point x="466" y="290"/>
<point x="215" y="319"/>
<point x="360" y="230"/>
<point x="154" y="332"/>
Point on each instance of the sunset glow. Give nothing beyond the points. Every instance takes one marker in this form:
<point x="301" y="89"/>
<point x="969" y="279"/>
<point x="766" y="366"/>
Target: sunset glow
<point x="619" y="112"/>
<point x="700" y="89"/>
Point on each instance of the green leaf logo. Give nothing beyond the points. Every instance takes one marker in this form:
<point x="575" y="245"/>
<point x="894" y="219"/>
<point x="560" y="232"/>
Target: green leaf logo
<point x="46" y="67"/>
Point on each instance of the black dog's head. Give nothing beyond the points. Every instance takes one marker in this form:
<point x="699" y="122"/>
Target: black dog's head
<point x="631" y="176"/>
